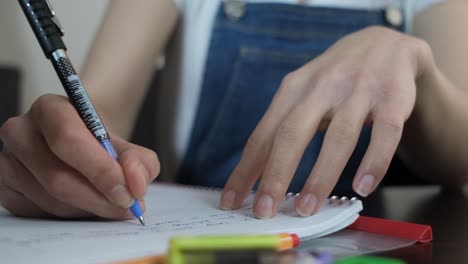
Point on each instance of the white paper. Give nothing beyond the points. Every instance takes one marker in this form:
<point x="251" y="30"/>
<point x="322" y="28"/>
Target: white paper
<point x="172" y="210"/>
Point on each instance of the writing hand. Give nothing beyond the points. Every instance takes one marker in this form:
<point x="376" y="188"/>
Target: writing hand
<point x="51" y="165"/>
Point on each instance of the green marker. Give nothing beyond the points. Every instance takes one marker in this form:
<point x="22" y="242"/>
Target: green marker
<point x="278" y="242"/>
<point x="368" y="260"/>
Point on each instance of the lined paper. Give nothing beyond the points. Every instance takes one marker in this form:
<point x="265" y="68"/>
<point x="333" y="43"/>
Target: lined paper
<point x="172" y="210"/>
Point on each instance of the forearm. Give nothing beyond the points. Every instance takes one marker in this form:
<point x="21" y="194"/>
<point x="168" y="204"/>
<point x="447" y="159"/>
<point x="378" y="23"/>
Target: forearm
<point x="435" y="139"/>
<point x="434" y="142"/>
<point x="122" y="58"/>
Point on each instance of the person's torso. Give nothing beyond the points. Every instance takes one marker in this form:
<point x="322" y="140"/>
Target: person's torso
<point x="186" y="65"/>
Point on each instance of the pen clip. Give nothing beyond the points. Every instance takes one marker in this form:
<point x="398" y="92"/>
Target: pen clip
<point x="54" y="17"/>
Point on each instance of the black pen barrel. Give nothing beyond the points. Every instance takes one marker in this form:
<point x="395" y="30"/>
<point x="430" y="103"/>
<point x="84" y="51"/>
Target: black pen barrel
<point x="46" y="29"/>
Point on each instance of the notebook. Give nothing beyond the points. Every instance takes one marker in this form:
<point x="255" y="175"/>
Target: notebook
<point x="172" y="210"/>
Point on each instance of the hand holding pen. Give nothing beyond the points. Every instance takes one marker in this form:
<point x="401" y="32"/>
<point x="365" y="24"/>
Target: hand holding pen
<point x="58" y="159"/>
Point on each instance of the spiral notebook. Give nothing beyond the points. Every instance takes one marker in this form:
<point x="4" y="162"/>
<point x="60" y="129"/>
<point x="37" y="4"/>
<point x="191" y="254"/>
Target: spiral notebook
<point x="172" y="210"/>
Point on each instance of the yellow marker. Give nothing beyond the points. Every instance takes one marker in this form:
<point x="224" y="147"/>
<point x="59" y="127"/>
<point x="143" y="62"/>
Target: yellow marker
<point x="179" y="245"/>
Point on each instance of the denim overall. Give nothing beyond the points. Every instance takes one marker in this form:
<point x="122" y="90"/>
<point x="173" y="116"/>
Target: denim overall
<point x="252" y="48"/>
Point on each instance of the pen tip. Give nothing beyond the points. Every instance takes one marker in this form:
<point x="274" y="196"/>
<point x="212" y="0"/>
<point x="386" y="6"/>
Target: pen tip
<point x="142" y="221"/>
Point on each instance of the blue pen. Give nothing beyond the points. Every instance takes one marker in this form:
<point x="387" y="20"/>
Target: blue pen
<point x="49" y="33"/>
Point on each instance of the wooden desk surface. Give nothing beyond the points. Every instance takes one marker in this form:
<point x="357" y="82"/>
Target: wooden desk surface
<point x="446" y="212"/>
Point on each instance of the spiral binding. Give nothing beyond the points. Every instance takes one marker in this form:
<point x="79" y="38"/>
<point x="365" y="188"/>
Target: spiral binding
<point x="336" y="200"/>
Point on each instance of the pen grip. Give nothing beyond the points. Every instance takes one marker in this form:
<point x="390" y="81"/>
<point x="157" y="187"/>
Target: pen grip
<point x="47" y="32"/>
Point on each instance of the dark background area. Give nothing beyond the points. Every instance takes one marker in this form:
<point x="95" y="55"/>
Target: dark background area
<point x="9" y="95"/>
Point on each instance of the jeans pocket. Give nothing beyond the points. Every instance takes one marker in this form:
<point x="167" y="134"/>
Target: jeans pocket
<point x="256" y="76"/>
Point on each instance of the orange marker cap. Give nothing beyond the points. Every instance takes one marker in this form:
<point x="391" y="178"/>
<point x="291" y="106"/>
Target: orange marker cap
<point x="288" y="241"/>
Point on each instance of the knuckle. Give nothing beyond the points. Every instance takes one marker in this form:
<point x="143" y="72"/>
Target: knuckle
<point x="393" y="129"/>
<point x="329" y="70"/>
<point x="64" y="135"/>
<point x="40" y="107"/>
<point x="289" y="81"/>
<point x="45" y="105"/>
<point x="10" y="128"/>
<point x="320" y="84"/>
<point x="275" y="182"/>
<point x="423" y="48"/>
<point x="363" y="78"/>
<point x="286" y="133"/>
<point x="344" y="133"/>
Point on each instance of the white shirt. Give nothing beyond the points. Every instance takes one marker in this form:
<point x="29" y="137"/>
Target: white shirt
<point x="177" y="104"/>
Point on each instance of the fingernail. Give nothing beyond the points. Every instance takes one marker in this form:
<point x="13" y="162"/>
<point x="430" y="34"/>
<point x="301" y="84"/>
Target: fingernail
<point x="227" y="200"/>
<point x="306" y="205"/>
<point x="365" y="185"/>
<point x="121" y="196"/>
<point x="264" y="207"/>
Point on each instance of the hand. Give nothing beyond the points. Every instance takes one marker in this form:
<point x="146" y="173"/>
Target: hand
<point x="52" y="166"/>
<point x="366" y="77"/>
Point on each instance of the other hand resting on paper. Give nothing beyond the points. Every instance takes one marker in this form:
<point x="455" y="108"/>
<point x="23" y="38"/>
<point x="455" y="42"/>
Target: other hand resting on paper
<point x="368" y="77"/>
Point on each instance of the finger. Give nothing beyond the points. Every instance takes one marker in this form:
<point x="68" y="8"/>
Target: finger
<point x="338" y="145"/>
<point x="385" y="137"/>
<point x="22" y="182"/>
<point x="70" y="140"/>
<point x="15" y="183"/>
<point x="34" y="191"/>
<point x="291" y="140"/>
<point x="140" y="165"/>
<point x="17" y="204"/>
<point x="258" y="147"/>
<point x="46" y="180"/>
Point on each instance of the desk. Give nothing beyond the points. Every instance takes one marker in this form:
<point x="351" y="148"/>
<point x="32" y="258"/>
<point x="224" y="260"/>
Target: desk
<point x="446" y="212"/>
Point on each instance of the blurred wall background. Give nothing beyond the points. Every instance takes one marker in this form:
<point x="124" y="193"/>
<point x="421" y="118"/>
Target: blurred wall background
<point x="19" y="48"/>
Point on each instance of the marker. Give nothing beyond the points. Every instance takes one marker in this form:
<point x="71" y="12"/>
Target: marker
<point x="279" y="242"/>
<point x="48" y="31"/>
<point x="368" y="260"/>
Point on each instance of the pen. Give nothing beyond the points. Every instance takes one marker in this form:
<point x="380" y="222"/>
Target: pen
<point x="49" y="32"/>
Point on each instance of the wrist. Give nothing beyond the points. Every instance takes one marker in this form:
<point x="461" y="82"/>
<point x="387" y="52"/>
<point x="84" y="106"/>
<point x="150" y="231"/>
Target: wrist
<point x="424" y="60"/>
